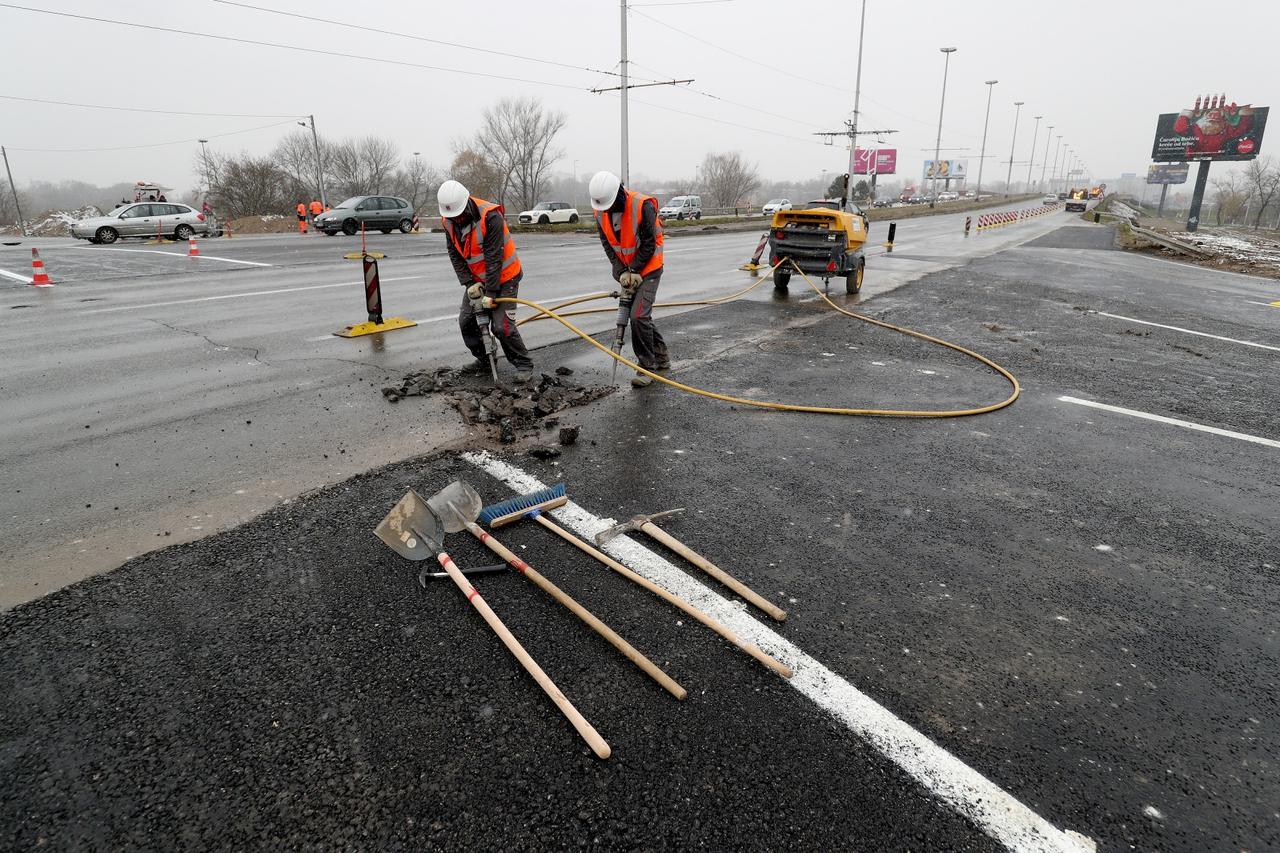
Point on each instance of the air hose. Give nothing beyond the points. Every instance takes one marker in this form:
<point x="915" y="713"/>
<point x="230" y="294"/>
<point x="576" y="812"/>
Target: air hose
<point x="553" y="313"/>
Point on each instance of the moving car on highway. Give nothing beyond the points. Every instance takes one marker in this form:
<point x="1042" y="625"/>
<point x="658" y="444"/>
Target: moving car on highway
<point x="547" y="212"/>
<point x="682" y="207"/>
<point x="1051" y="198"/>
<point x="382" y="212"/>
<point x="773" y="205"/>
<point x="146" y="219"/>
<point x="949" y="196"/>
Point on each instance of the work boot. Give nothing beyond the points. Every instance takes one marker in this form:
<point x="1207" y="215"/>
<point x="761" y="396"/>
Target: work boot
<point x="524" y="374"/>
<point x="480" y="365"/>
<point x="663" y="365"/>
<point x="641" y="380"/>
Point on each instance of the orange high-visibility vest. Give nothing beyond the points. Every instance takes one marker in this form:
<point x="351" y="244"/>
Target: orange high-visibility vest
<point x="471" y="246"/>
<point x="316" y="207"/>
<point x="626" y="242"/>
<point x="302" y="209"/>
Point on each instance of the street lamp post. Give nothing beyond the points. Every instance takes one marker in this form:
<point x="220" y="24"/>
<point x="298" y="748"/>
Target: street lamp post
<point x="1031" y="159"/>
<point x="1053" y="176"/>
<point x="315" y="140"/>
<point x="937" y="145"/>
<point x="1045" y="165"/>
<point x="982" y="158"/>
<point x="1008" y="178"/>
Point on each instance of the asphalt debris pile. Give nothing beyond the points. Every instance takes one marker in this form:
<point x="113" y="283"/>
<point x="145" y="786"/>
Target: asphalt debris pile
<point x="511" y="407"/>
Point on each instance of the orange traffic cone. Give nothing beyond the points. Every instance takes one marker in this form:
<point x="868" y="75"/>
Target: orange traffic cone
<point x="193" y="251"/>
<point x="39" y="277"/>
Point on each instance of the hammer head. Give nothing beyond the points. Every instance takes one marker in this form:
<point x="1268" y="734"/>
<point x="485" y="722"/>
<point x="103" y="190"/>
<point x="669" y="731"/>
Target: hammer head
<point x="634" y="523"/>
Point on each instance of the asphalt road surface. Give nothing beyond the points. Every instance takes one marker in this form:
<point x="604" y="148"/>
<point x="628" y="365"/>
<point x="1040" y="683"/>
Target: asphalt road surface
<point x="1046" y="628"/>
<point x="151" y="397"/>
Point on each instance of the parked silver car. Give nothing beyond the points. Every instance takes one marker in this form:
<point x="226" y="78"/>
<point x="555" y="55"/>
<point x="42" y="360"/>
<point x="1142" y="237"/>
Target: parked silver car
<point x="380" y="212"/>
<point x="144" y="219"/>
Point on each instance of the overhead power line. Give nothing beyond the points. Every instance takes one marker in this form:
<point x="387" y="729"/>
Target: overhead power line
<point x="153" y="144"/>
<point x="314" y="50"/>
<point x="141" y="109"/>
<point x="458" y="45"/>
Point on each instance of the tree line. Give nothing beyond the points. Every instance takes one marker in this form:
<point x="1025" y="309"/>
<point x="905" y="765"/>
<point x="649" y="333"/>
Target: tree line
<point x="1244" y="197"/>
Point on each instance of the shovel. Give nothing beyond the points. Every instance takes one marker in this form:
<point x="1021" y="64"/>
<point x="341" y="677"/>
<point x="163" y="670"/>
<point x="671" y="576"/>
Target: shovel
<point x="458" y="505"/>
<point x="413" y="531"/>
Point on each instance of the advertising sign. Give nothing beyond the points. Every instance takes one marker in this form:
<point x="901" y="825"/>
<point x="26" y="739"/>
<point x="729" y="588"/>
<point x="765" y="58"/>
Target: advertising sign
<point x="956" y="170"/>
<point x="1168" y="173"/>
<point x="886" y="161"/>
<point x="1211" y="130"/>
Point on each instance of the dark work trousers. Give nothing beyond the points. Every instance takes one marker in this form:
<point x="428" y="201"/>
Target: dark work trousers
<point x="646" y="340"/>
<point x="504" y="326"/>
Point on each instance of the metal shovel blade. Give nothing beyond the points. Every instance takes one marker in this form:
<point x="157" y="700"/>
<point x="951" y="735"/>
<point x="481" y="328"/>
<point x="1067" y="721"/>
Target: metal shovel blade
<point x="411" y="529"/>
<point x="455" y="505"/>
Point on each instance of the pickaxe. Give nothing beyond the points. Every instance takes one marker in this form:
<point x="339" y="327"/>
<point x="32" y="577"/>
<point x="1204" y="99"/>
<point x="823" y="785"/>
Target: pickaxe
<point x="645" y="523"/>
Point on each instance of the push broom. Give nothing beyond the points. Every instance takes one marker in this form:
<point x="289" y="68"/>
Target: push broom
<point x="532" y="506"/>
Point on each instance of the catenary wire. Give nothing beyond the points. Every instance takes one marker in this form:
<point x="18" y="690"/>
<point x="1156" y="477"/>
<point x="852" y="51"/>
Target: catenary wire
<point x="152" y="144"/>
<point x="143" y="109"/>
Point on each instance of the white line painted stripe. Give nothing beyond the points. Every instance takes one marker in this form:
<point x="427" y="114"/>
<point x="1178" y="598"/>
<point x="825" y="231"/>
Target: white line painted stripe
<point x="991" y="808"/>
<point x="13" y="275"/>
<point x="173" y="255"/>
<point x="1242" y="436"/>
<point x="1189" y="331"/>
<point x="353" y="284"/>
<point x="228" y="260"/>
<point x="1275" y="304"/>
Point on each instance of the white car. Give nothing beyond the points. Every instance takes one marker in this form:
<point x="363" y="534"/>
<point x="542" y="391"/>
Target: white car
<point x="773" y="205"/>
<point x="1051" y="198"/>
<point x="682" y="207"/>
<point x="948" y="196"/>
<point x="547" y="212"/>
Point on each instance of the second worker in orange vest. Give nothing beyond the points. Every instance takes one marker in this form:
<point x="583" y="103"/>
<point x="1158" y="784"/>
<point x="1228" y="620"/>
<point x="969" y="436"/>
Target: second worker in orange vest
<point x="485" y="260"/>
<point x="631" y="232"/>
<point x="302" y="218"/>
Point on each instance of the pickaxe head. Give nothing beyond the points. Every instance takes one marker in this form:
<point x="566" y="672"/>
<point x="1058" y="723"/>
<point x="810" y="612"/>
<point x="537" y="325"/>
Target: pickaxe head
<point x="634" y="523"/>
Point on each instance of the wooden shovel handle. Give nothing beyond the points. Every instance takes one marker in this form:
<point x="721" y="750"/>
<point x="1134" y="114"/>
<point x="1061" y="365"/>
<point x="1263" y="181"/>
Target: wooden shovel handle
<point x="588" y="733"/>
<point x="775" y="612"/>
<point x="714" y="624"/>
<point x="578" y="610"/>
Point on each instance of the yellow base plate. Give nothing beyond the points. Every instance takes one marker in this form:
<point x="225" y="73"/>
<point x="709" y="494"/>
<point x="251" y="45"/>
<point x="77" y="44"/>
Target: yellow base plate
<point x="356" y="256"/>
<point x="1276" y="304"/>
<point x="388" y="324"/>
<point x="750" y="267"/>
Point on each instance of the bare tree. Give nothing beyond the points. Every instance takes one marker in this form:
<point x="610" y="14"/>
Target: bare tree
<point x="474" y="171"/>
<point x="417" y="181"/>
<point x="362" y="166"/>
<point x="9" y="210"/>
<point x="729" y="179"/>
<point x="295" y="155"/>
<point x="247" y="185"/>
<point x="517" y="139"/>
<point x="1262" y="176"/>
<point x="684" y="186"/>
<point x="1230" y="196"/>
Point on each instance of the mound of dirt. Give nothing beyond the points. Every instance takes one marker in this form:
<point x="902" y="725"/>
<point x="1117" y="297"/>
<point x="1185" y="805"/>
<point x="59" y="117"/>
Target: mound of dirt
<point x="275" y="223"/>
<point x="55" y="223"/>
<point x="512" y="408"/>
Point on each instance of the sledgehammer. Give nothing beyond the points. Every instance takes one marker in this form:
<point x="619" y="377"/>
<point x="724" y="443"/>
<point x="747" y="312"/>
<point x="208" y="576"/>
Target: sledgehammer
<point x="645" y="523"/>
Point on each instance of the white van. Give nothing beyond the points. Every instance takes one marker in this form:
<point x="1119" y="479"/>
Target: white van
<point x="682" y="207"/>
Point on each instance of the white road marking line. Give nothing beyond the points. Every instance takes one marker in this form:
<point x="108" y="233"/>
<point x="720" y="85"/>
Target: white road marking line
<point x="991" y="808"/>
<point x="1275" y="304"/>
<point x="352" y="284"/>
<point x="13" y="275"/>
<point x="1242" y="436"/>
<point x="173" y="255"/>
<point x="1189" y="331"/>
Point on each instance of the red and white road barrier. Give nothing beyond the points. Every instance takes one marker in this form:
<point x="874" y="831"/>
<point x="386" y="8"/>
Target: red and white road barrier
<point x="39" y="277"/>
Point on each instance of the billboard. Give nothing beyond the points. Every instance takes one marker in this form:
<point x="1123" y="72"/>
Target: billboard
<point x="956" y="170"/>
<point x="1211" y="130"/>
<point x="1168" y="173"/>
<point x="886" y="161"/>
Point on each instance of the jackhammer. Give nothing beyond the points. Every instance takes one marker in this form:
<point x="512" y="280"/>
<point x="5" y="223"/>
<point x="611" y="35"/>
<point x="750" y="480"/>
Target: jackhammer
<point x="624" y="316"/>
<point x="481" y="306"/>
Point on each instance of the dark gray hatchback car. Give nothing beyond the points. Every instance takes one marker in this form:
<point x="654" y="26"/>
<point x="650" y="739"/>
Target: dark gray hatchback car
<point x="376" y="212"/>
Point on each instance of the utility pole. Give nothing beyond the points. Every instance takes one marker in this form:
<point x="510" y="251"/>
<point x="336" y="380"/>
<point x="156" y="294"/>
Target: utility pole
<point x="625" y="171"/>
<point x="204" y="166"/>
<point x="315" y="140"/>
<point x="857" y="102"/>
<point x="1053" y="176"/>
<point x="852" y="133"/>
<point x="22" y="223"/>
<point x="1031" y="160"/>
<point x="1045" y="165"/>
<point x="937" y="147"/>
<point x="1008" y="178"/>
<point x="982" y="158"/>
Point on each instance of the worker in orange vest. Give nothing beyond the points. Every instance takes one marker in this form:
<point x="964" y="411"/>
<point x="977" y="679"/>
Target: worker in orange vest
<point x="316" y="209"/>
<point x="631" y="233"/>
<point x="484" y="258"/>
<point x="302" y="218"/>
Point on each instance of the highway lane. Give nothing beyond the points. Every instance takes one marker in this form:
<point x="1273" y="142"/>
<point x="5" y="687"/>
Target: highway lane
<point x="166" y="397"/>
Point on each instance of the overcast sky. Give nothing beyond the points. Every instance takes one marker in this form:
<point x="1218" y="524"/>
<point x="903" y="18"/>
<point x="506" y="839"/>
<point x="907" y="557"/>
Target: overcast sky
<point x="1099" y="72"/>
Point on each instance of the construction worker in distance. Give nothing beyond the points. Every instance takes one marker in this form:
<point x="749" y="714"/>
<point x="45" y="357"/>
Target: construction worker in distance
<point x="316" y="209"/>
<point x="631" y="233"/>
<point x="302" y="218"/>
<point x="484" y="258"/>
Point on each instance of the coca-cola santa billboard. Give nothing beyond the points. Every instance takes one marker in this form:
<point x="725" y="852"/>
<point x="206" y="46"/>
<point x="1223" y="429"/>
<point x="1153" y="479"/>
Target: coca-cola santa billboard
<point x="1211" y="130"/>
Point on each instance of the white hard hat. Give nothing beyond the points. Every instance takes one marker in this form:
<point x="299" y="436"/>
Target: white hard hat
<point x="453" y="198"/>
<point x="603" y="190"/>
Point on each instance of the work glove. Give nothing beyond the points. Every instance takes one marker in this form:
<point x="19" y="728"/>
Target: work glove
<point x="479" y="301"/>
<point x="630" y="281"/>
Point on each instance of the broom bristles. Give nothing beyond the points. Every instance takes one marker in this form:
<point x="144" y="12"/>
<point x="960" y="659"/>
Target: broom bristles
<point x="513" y="509"/>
